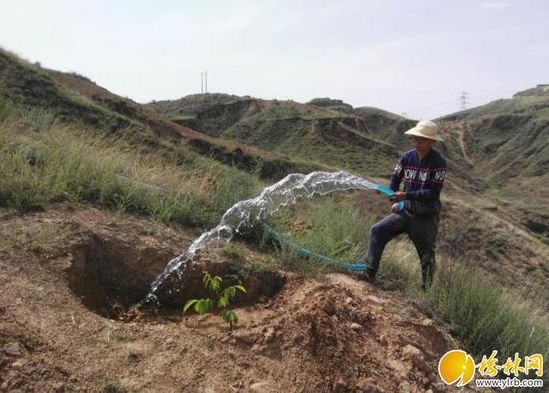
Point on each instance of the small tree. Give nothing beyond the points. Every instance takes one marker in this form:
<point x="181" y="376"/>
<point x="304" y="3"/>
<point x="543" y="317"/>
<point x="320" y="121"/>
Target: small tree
<point x="224" y="298"/>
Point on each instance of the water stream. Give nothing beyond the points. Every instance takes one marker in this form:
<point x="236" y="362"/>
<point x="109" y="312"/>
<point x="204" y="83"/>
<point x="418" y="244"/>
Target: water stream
<point x="247" y="214"/>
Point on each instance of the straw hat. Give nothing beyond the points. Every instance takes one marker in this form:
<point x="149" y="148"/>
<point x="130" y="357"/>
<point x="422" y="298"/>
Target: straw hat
<point x="425" y="129"/>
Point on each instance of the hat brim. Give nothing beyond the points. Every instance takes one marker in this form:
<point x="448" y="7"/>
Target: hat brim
<point x="417" y="132"/>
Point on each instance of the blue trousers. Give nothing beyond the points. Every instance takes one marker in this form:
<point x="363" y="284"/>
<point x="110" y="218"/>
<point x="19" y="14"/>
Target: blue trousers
<point x="421" y="230"/>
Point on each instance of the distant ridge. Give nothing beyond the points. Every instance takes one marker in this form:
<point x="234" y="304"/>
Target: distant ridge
<point x="323" y="130"/>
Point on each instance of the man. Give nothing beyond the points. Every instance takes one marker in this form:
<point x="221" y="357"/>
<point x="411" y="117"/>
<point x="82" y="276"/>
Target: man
<point x="422" y="169"/>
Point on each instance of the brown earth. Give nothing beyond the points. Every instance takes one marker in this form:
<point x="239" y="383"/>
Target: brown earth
<point x="69" y="274"/>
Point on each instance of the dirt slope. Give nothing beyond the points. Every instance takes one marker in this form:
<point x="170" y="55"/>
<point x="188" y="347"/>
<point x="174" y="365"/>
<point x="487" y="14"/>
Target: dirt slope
<point x="60" y="326"/>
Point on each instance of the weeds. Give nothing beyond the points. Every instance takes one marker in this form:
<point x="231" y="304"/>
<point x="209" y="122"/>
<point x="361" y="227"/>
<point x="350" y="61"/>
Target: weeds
<point x="486" y="316"/>
<point x="334" y="228"/>
<point x="235" y="252"/>
<point x="60" y="163"/>
<point x="209" y="342"/>
<point x="6" y="109"/>
<point x="115" y="387"/>
<point x="38" y="119"/>
<point x="473" y="306"/>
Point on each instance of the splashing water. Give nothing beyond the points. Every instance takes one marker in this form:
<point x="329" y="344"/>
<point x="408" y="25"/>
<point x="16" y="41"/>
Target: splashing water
<point x="246" y="215"/>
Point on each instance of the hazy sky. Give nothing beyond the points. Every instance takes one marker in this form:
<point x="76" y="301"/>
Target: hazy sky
<point x="407" y="56"/>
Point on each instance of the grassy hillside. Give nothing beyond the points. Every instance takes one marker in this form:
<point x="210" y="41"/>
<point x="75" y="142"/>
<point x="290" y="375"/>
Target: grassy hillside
<point x="91" y="185"/>
<point x="27" y="85"/>
<point x="323" y="131"/>
<point x="506" y="144"/>
<point x="505" y="139"/>
<point x="45" y="161"/>
<point x="65" y="139"/>
<point x="208" y="113"/>
<point x="333" y="104"/>
<point x="75" y="99"/>
<point x="386" y="125"/>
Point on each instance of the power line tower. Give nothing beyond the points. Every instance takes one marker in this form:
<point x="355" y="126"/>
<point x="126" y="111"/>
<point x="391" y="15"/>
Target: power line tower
<point x="203" y="82"/>
<point x="463" y="100"/>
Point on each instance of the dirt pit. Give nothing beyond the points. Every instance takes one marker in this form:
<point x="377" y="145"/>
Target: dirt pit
<point x="113" y="278"/>
<point x="110" y="276"/>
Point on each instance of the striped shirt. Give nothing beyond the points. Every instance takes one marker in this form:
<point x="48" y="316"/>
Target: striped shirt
<point x="423" y="180"/>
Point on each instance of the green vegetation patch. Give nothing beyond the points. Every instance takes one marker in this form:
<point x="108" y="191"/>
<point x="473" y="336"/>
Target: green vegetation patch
<point x="43" y="162"/>
<point x="485" y="316"/>
<point x="332" y="226"/>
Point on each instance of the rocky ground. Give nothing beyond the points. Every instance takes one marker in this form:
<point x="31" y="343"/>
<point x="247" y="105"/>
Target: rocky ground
<point x="69" y="276"/>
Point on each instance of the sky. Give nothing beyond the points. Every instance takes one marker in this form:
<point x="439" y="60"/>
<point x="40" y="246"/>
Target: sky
<point x="410" y="57"/>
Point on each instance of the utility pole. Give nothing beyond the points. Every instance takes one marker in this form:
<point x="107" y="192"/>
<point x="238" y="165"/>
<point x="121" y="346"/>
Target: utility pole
<point x="464" y="100"/>
<point x="203" y="82"/>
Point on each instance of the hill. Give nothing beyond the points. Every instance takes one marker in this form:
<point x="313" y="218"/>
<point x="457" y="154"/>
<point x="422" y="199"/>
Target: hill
<point x="318" y="133"/>
<point x="324" y="131"/>
<point x="507" y="138"/>
<point x="74" y="98"/>
<point x="387" y="125"/>
<point x="98" y="193"/>
<point x="506" y="143"/>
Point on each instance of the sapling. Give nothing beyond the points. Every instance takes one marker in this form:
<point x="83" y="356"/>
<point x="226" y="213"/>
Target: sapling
<point x="223" y="301"/>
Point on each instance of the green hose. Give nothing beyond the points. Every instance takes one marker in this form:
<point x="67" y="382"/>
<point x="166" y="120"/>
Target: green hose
<point x="303" y="252"/>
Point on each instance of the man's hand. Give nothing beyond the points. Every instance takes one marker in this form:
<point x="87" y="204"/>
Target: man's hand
<point x="395" y="208"/>
<point x="399" y="196"/>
